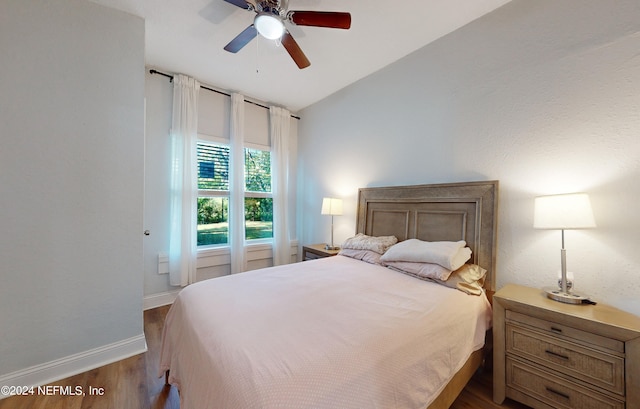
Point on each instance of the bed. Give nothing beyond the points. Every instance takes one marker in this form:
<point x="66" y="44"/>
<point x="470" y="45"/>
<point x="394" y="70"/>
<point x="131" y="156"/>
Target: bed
<point x="341" y="332"/>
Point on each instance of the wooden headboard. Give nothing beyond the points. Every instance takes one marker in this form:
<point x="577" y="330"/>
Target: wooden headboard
<point x="440" y="212"/>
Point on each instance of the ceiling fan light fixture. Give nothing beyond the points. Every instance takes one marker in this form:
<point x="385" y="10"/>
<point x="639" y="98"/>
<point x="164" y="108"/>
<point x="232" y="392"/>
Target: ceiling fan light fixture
<point x="269" y="25"/>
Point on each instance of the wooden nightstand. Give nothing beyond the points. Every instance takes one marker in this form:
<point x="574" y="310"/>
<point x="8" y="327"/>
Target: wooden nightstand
<point x="553" y="355"/>
<point x="314" y="251"/>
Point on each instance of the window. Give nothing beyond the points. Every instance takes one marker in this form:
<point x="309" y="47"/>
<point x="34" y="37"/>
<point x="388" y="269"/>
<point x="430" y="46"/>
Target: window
<point x="258" y="201"/>
<point x="214" y="194"/>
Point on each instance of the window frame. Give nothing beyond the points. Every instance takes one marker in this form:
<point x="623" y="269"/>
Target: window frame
<point x="258" y="195"/>
<point x="214" y="193"/>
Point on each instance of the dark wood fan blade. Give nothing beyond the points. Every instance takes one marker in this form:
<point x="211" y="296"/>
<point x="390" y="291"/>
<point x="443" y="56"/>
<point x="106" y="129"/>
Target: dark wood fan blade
<point x="294" y="50"/>
<point x="329" y="19"/>
<point x="240" y="3"/>
<point x="242" y="39"/>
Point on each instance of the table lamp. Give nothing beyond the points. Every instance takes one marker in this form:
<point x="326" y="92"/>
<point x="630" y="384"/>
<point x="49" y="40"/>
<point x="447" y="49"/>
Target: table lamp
<point x="333" y="207"/>
<point x="563" y="212"/>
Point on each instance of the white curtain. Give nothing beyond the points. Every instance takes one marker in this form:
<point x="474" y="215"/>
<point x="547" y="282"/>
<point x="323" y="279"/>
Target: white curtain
<point x="184" y="188"/>
<point x="280" y="122"/>
<point x="236" y="182"/>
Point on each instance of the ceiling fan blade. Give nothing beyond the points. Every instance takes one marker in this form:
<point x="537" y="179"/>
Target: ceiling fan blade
<point x="294" y="50"/>
<point x="331" y="19"/>
<point x="240" y="3"/>
<point x="241" y="39"/>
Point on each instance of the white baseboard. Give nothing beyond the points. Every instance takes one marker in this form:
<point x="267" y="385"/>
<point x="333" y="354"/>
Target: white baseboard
<point x="52" y="371"/>
<point x="159" y="299"/>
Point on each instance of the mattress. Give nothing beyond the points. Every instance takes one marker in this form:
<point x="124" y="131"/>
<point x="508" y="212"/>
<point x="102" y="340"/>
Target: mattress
<point x="329" y="333"/>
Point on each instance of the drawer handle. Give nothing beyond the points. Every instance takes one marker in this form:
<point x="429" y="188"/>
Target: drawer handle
<point x="555" y="392"/>
<point x="556" y="354"/>
<point x="556" y="329"/>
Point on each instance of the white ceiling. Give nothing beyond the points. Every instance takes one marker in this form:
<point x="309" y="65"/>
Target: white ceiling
<point x="188" y="36"/>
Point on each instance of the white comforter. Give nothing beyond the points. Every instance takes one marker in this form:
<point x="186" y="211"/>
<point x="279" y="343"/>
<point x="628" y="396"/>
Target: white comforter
<point x="328" y="333"/>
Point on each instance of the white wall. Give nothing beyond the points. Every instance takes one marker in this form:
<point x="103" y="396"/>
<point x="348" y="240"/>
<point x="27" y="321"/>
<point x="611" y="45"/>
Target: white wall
<point x="213" y="121"/>
<point x="71" y="183"/>
<point x="541" y="95"/>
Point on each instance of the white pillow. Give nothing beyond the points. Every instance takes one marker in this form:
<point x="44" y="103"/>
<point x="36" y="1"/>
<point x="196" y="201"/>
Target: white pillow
<point x="449" y="254"/>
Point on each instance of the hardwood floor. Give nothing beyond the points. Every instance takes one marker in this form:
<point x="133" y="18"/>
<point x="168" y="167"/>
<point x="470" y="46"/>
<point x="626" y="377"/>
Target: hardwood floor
<point x="132" y="383"/>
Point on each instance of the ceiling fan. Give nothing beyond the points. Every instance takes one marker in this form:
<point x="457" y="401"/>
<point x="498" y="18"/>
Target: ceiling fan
<point x="269" y="23"/>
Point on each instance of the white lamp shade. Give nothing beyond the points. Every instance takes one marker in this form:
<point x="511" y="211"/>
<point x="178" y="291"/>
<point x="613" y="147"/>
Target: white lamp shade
<point x="269" y="26"/>
<point x="567" y="211"/>
<point x="331" y="206"/>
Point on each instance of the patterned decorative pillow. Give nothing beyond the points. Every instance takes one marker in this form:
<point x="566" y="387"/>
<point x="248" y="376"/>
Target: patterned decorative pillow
<point x="363" y="242"/>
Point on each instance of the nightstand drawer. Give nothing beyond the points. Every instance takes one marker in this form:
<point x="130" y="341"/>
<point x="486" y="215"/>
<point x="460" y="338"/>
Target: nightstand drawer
<point x="315" y="251"/>
<point x="554" y="329"/>
<point x="311" y="256"/>
<point x="583" y="364"/>
<point x="552" y="390"/>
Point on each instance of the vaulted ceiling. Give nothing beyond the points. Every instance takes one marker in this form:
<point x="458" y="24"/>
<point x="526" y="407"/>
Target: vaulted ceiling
<point x="188" y="36"/>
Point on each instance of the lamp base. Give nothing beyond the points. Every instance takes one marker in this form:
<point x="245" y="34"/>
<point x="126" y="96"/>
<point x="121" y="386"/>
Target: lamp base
<point x="556" y="294"/>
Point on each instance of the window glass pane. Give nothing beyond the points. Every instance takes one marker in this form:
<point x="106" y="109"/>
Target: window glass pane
<point x="257" y="165"/>
<point x="258" y="216"/>
<point x="213" y="220"/>
<point x="213" y="166"/>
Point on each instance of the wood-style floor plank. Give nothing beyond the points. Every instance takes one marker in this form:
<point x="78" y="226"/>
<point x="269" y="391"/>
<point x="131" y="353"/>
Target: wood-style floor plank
<point x="133" y="383"/>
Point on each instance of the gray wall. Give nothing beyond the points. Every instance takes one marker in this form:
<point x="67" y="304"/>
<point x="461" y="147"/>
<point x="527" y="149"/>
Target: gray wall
<point x="71" y="180"/>
<point x="541" y="95"/>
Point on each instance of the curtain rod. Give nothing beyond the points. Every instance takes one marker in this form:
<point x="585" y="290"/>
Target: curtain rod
<point x="214" y="90"/>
